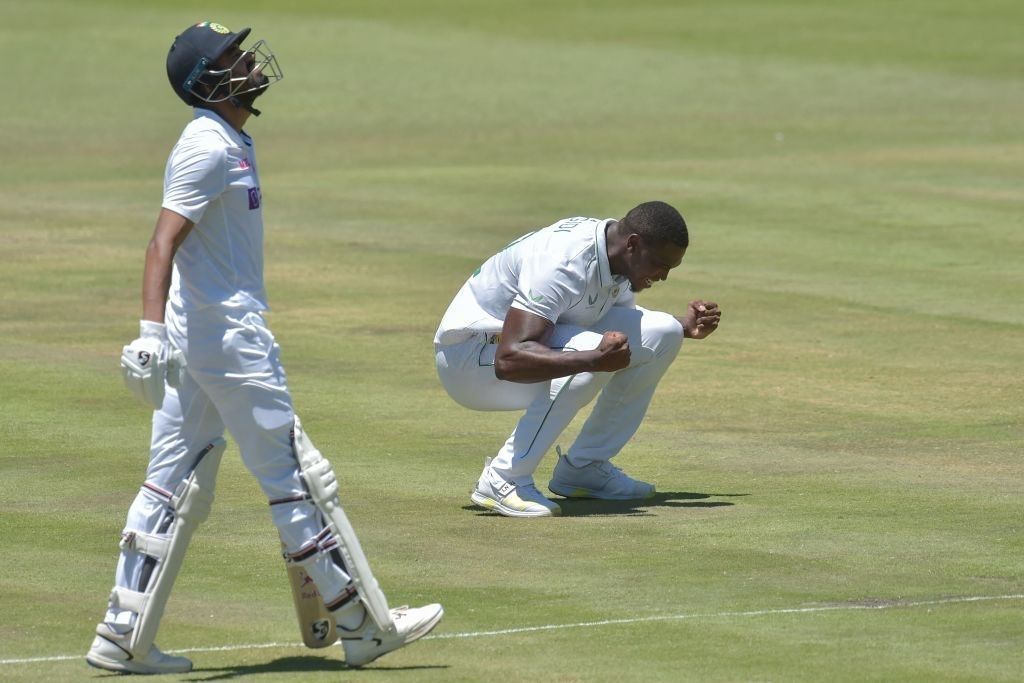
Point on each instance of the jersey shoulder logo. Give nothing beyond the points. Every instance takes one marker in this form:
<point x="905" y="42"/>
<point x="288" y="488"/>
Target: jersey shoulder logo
<point x="255" y="198"/>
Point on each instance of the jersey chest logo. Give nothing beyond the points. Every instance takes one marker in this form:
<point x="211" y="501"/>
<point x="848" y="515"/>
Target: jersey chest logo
<point x="255" y="198"/>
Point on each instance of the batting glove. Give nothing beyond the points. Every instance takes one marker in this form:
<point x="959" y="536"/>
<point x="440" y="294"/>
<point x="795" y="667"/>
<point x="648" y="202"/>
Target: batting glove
<point x="149" y="361"/>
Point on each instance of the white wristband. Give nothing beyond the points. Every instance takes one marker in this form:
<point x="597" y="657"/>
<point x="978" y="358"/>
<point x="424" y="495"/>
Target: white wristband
<point x="149" y="329"/>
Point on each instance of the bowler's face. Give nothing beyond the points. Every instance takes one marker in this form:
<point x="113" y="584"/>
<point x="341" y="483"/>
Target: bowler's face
<point x="649" y="264"/>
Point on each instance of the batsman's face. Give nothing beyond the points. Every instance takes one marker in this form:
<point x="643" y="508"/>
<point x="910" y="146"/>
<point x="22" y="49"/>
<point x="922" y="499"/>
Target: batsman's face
<point x="241" y="64"/>
<point x="648" y="263"/>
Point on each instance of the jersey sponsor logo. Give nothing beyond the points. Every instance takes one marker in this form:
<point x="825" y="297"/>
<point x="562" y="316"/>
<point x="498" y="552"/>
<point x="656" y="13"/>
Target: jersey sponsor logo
<point x="255" y="198"/>
<point x="536" y="298"/>
<point x="591" y="300"/>
<point x="243" y="165"/>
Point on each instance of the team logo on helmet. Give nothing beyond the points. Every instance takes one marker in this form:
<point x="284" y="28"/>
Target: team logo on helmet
<point x="214" y="26"/>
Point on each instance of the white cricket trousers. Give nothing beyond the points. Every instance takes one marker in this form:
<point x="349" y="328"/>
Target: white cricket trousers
<point x="235" y="379"/>
<point x="467" y="373"/>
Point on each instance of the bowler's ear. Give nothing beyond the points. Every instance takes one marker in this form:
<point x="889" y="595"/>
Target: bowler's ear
<point x="632" y="243"/>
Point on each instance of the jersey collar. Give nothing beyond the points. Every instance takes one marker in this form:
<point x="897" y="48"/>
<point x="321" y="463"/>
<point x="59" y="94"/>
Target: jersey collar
<point x="242" y="138"/>
<point x="604" y="268"/>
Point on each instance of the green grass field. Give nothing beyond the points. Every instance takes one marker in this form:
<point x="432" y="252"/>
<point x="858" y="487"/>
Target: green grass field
<point x="841" y="490"/>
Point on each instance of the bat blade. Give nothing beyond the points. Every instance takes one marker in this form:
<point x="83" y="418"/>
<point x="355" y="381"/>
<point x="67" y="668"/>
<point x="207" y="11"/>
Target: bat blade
<point x="315" y="623"/>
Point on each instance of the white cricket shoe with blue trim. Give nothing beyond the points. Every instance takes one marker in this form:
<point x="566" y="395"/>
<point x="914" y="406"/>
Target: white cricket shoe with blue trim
<point x="512" y="500"/>
<point x="600" y="479"/>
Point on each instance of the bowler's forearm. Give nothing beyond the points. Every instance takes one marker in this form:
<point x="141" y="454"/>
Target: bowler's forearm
<point x="529" y="362"/>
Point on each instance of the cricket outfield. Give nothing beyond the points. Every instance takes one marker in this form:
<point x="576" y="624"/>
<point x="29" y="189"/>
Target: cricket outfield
<point x="841" y="490"/>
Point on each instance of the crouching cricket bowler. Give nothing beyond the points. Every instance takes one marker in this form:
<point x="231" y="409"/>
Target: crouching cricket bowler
<point x="547" y="325"/>
<point x="205" y="360"/>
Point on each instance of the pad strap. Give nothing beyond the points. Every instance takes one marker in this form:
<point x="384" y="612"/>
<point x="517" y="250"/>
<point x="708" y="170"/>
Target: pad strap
<point x="125" y="598"/>
<point x="323" y="542"/>
<point x="148" y="544"/>
<point x="157" y="492"/>
<point x="347" y="597"/>
<point x="297" y="498"/>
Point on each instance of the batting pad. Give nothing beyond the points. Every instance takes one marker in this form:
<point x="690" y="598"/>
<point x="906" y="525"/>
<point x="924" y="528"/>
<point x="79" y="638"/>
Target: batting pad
<point x="190" y="504"/>
<point x="322" y="485"/>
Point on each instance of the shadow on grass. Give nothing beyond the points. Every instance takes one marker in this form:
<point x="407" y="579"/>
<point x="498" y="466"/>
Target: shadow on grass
<point x="295" y="665"/>
<point x="584" y="507"/>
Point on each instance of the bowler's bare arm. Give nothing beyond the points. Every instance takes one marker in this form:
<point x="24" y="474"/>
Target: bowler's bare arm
<point x="524" y="353"/>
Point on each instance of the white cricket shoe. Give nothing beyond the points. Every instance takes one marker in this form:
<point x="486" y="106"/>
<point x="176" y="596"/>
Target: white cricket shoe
<point x="368" y="643"/>
<point x="110" y="651"/>
<point x="511" y="500"/>
<point x="596" y="480"/>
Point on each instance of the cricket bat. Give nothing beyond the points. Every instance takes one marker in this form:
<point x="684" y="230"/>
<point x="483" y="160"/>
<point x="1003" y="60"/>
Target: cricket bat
<point x="315" y="623"/>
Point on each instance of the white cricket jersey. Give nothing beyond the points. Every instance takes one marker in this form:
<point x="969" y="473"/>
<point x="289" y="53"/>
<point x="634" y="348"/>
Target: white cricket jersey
<point x="211" y="179"/>
<point x="560" y="273"/>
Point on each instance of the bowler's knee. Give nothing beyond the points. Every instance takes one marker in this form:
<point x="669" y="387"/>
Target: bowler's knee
<point x="662" y="332"/>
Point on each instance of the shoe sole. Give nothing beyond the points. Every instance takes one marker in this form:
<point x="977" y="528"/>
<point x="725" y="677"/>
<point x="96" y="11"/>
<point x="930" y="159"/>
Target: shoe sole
<point x="129" y="667"/>
<point x="491" y="504"/>
<point x="577" y="492"/>
<point x="411" y="637"/>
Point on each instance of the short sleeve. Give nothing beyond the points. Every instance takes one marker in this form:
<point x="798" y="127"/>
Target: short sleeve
<point x="546" y="288"/>
<point x="195" y="176"/>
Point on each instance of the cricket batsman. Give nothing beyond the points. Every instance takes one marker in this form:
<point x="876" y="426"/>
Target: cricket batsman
<point x="205" y="361"/>
<point x="549" y="324"/>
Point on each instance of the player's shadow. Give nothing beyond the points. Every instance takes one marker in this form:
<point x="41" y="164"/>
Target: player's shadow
<point x="297" y="664"/>
<point x="586" y="507"/>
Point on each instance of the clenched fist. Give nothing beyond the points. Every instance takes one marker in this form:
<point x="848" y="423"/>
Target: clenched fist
<point x="701" y="319"/>
<point x="614" y="352"/>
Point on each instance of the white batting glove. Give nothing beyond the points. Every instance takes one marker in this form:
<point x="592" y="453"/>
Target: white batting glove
<point x="175" y="366"/>
<point x="149" y="361"/>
